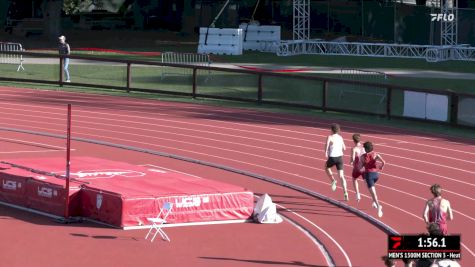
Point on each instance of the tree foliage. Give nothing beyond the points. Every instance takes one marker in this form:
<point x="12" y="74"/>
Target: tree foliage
<point x="75" y="6"/>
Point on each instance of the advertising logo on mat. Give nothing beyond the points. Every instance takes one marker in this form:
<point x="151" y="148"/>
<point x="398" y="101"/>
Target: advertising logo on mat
<point x="46" y="192"/>
<point x="10" y="185"/>
<point x="191" y="201"/>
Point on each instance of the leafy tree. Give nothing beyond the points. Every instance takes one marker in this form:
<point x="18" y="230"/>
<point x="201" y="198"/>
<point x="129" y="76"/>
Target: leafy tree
<point x="74" y="6"/>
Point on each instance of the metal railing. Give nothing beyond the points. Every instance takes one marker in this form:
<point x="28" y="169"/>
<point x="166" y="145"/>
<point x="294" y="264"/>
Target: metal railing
<point x="11" y="58"/>
<point x="260" y="87"/>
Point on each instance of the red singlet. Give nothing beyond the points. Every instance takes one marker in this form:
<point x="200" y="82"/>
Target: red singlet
<point x="370" y="162"/>
<point x="436" y="215"/>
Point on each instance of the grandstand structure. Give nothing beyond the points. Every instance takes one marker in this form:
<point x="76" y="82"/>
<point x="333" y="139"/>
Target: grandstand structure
<point x="448" y="49"/>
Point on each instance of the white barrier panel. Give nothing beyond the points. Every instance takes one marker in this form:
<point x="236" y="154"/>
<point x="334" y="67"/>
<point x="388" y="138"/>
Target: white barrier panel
<point x="466" y="111"/>
<point x="10" y="58"/>
<point x="414" y="105"/>
<point x="264" y="38"/>
<point x="437" y="107"/>
<point x="220" y="41"/>
<point x="426" y="106"/>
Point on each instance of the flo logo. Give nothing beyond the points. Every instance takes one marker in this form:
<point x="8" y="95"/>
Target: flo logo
<point x="442" y="17"/>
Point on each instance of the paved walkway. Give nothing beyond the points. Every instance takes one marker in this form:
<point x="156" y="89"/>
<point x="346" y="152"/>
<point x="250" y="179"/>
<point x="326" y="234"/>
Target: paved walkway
<point x="416" y="73"/>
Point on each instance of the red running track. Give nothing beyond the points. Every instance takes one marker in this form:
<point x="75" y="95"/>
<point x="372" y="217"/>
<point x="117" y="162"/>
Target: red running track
<point x="285" y="147"/>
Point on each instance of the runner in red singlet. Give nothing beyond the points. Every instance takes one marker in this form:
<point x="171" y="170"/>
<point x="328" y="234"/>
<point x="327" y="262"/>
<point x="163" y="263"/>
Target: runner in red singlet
<point x="438" y="210"/>
<point x="356" y="153"/>
<point x="371" y="173"/>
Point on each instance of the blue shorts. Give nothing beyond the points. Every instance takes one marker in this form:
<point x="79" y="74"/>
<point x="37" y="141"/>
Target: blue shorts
<point x="371" y="178"/>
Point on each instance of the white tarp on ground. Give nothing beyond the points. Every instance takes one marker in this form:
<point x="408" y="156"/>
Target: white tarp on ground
<point x="426" y="106"/>
<point x="265" y="211"/>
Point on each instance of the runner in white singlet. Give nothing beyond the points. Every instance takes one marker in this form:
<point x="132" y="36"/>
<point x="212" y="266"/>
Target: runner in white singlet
<point x="334" y="149"/>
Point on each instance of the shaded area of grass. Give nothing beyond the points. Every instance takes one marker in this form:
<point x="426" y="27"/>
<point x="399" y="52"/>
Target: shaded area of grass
<point x="456" y="85"/>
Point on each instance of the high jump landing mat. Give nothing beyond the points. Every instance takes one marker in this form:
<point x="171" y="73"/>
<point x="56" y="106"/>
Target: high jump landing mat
<point x="118" y="193"/>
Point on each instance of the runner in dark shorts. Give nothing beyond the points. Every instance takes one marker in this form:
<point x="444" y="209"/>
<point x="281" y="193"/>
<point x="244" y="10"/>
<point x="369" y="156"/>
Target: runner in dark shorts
<point x="334" y="150"/>
<point x="371" y="178"/>
<point x="371" y="173"/>
<point x="335" y="161"/>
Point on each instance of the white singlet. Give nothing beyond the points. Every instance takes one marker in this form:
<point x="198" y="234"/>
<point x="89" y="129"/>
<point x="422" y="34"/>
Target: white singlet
<point x="336" y="146"/>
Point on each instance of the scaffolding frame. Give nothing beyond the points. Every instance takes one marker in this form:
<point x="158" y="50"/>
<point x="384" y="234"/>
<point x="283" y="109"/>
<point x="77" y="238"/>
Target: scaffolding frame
<point x="448" y="49"/>
<point x="448" y="29"/>
<point x="301" y="19"/>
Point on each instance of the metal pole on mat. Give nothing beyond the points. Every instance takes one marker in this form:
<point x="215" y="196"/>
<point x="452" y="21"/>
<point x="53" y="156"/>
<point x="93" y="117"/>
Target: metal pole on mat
<point x="67" y="218"/>
<point x="68" y="162"/>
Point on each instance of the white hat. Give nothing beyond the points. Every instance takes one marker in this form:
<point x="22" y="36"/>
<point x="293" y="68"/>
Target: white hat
<point x="62" y="37"/>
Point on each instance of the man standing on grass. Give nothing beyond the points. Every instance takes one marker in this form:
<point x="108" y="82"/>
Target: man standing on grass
<point x="64" y="49"/>
<point x="334" y="148"/>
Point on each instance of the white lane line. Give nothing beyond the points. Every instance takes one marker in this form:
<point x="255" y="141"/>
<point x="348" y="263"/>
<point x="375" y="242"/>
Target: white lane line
<point x="252" y="132"/>
<point x="243" y="162"/>
<point x="413" y="215"/>
<point x="30" y="151"/>
<point x="248" y="154"/>
<point x="228" y="159"/>
<point x="148" y="124"/>
<point x="31" y="143"/>
<point x="324" y="232"/>
<point x="170" y="225"/>
<point x="261" y="121"/>
<point x="426" y="185"/>
<point x="423" y="199"/>
<point x="310" y="236"/>
<point x="296" y="214"/>
<point x="172" y="170"/>
<point x="429" y="146"/>
<point x="428" y="173"/>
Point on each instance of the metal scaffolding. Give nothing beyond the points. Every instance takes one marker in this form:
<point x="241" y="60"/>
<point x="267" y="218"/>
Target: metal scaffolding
<point x="431" y="53"/>
<point x="448" y="27"/>
<point x="448" y="49"/>
<point x="301" y="9"/>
